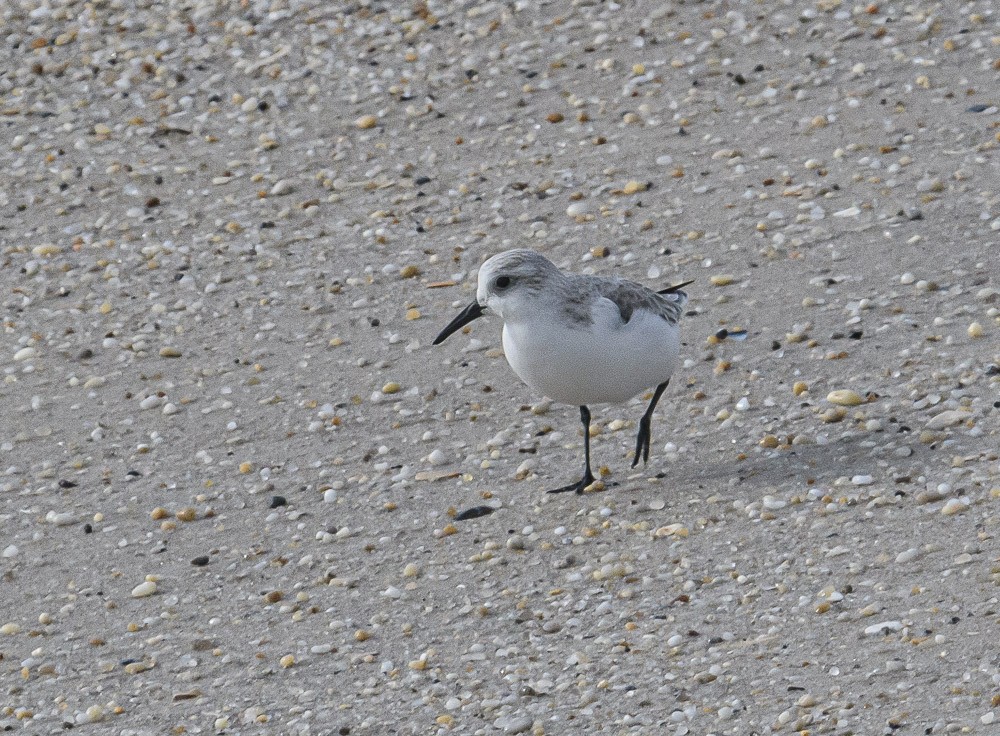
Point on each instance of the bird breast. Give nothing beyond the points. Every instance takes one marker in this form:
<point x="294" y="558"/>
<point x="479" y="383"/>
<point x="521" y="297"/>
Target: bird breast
<point x="604" y="361"/>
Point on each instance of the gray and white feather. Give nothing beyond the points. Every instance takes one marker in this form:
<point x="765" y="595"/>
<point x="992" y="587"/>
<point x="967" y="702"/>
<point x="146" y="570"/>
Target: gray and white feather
<point x="579" y="339"/>
<point x="609" y="337"/>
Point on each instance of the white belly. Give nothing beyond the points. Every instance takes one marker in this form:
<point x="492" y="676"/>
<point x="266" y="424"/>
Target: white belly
<point x="595" y="364"/>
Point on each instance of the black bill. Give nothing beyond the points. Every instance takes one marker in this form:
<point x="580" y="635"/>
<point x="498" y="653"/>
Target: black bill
<point x="471" y="312"/>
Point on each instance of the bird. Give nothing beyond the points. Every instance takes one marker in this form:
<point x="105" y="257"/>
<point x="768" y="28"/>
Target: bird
<point x="580" y="339"/>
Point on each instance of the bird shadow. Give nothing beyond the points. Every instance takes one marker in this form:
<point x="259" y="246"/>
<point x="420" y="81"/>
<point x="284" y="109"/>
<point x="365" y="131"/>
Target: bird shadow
<point x="808" y="465"/>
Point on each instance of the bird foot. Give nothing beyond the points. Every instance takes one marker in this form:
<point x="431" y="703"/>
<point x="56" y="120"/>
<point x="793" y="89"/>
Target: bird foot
<point x="642" y="444"/>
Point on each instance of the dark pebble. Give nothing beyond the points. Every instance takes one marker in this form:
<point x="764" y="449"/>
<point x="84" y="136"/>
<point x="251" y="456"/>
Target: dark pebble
<point x="977" y="108"/>
<point x="200" y="561"/>
<point x="67" y="484"/>
<point x="277" y="501"/>
<point x="421" y="180"/>
<point x="474" y="513"/>
<point x="88" y="529"/>
<point x="85" y="354"/>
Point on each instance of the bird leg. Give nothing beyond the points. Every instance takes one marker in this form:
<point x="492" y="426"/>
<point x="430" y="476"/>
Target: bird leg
<point x="642" y="440"/>
<point x="588" y="477"/>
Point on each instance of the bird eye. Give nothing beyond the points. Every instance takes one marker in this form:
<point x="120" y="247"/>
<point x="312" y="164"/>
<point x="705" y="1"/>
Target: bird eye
<point x="502" y="282"/>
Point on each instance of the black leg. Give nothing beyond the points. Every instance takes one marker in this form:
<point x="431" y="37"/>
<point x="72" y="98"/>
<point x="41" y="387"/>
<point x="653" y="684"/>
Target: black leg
<point x="588" y="477"/>
<point x="642" y="441"/>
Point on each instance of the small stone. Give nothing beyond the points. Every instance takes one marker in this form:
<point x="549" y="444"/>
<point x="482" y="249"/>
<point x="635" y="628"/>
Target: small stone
<point x="282" y="187"/>
<point x="862" y="480"/>
<point x="844" y="397"/>
<point x="883" y="627"/>
<point x="800" y="388"/>
<point x="9" y="551"/>
<point x="769" y="441"/>
<point x="514" y="724"/>
<point x="947" y="419"/>
<point x="833" y="415"/>
<point x="577" y="208"/>
<point x="409" y="272"/>
<point x="411" y="571"/>
<point x="976" y="330"/>
<point x="150" y="402"/>
<point x="277" y="502"/>
<point x="929" y="496"/>
<point x="170" y="352"/>
<point x="634" y="187"/>
<point x="246" y="468"/>
<point x="287" y="661"/>
<point x="474" y="513"/>
<point x="46" y="249"/>
<point x="555" y="117"/>
<point x="391" y="388"/>
<point x="187" y="514"/>
<point x="200" y="561"/>
<point x="24" y="354"/>
<point x="63" y="518"/>
<point x="515" y="542"/>
<point x="144" y="589"/>
<point x="9" y="629"/>
<point x="954" y="506"/>
<point x="721" y="279"/>
<point x="365" y="122"/>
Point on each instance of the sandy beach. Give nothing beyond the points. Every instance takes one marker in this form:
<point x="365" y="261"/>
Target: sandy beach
<point x="233" y="468"/>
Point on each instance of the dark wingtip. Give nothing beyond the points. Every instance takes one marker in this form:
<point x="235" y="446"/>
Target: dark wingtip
<point x="675" y="288"/>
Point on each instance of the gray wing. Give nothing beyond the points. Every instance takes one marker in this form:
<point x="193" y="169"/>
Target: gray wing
<point x="630" y="297"/>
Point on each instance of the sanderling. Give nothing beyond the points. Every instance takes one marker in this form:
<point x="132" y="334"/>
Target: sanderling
<point x="580" y="339"/>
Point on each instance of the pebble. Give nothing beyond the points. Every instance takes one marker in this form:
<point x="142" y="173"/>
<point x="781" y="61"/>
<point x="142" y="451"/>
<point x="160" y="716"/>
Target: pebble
<point x="144" y="589"/>
<point x="514" y="724"/>
<point x="282" y="187"/>
<point x="884" y="627"/>
<point x="61" y="518"/>
<point x="947" y="419"/>
<point x="844" y="397"/>
<point x="954" y="506"/>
